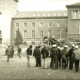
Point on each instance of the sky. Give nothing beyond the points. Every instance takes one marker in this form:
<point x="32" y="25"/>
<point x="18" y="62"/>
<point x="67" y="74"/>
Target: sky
<point x="44" y="5"/>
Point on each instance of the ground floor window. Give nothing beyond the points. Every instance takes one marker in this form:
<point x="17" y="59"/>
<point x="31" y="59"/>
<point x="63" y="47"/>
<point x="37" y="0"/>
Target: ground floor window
<point x="33" y="43"/>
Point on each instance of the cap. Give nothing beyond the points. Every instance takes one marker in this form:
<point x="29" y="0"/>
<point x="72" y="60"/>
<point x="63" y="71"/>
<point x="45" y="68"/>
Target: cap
<point x="76" y="46"/>
<point x="54" y="45"/>
<point x="66" y="46"/>
<point x="58" y="47"/>
<point x="73" y="45"/>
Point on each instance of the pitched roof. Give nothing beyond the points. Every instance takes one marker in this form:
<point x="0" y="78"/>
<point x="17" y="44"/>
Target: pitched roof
<point x="73" y="5"/>
<point x="31" y="14"/>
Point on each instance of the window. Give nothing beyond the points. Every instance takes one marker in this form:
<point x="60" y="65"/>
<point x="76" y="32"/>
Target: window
<point x="50" y="24"/>
<point x="25" y="24"/>
<point x="33" y="43"/>
<point x="25" y="33"/>
<point x="17" y="24"/>
<point x="42" y="34"/>
<point x="33" y="24"/>
<point x="75" y="14"/>
<point x="33" y="33"/>
<point x="49" y="33"/>
<point x="41" y="24"/>
<point x="58" y="24"/>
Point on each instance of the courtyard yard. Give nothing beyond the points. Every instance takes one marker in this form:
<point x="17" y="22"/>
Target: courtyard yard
<point x="17" y="69"/>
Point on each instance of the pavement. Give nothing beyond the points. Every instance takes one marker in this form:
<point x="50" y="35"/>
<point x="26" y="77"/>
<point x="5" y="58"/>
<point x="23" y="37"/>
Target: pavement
<point x="17" y="69"/>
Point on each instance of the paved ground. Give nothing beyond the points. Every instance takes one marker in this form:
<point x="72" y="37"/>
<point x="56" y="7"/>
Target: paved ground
<point x="17" y="69"/>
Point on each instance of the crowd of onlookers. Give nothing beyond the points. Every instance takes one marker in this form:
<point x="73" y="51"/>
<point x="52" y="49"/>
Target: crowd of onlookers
<point x="60" y="57"/>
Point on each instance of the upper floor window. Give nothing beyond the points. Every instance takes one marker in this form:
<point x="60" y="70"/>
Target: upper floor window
<point x="75" y="14"/>
<point x="33" y="33"/>
<point x="33" y="24"/>
<point x="17" y="24"/>
<point x="25" y="24"/>
<point x="50" y="24"/>
<point x="42" y="34"/>
<point x="41" y="24"/>
<point x="25" y="33"/>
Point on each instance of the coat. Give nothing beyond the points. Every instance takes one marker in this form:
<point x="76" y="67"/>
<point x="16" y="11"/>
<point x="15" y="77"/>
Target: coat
<point x="64" y="54"/>
<point x="55" y="53"/>
<point x="8" y="51"/>
<point x="44" y="52"/>
<point x="37" y="53"/>
<point x="29" y="51"/>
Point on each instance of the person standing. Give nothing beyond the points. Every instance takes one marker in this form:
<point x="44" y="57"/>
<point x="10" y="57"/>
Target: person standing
<point x="60" y="56"/>
<point x="19" y="52"/>
<point x="54" y="56"/>
<point x="44" y="53"/>
<point x="12" y="51"/>
<point x="64" y="59"/>
<point x="37" y="56"/>
<point x="29" y="53"/>
<point x="8" y="53"/>
<point x="71" y="57"/>
<point x="76" y="61"/>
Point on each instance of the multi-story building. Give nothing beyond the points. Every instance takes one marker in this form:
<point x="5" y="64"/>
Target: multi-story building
<point x="74" y="21"/>
<point x="8" y="8"/>
<point x="37" y="24"/>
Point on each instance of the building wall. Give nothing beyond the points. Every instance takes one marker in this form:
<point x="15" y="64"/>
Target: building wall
<point x="73" y="24"/>
<point x="8" y="9"/>
<point x="56" y="29"/>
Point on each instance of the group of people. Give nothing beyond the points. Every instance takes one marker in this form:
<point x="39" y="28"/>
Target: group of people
<point x="10" y="52"/>
<point x="60" y="58"/>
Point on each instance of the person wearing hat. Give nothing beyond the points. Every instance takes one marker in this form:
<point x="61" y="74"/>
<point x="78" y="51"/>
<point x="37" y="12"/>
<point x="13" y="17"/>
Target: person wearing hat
<point x="60" y="56"/>
<point x="71" y="57"/>
<point x="37" y="56"/>
<point x="64" y="59"/>
<point x="54" y="57"/>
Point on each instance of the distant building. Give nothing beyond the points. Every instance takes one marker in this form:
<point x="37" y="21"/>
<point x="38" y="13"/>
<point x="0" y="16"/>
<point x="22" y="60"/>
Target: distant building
<point x="35" y="25"/>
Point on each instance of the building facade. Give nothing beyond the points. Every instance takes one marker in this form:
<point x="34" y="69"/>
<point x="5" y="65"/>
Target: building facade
<point x="34" y="26"/>
<point x="73" y="21"/>
<point x="8" y="8"/>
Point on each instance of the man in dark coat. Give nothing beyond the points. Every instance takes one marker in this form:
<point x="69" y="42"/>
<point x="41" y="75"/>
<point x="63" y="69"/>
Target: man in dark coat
<point x="54" y="56"/>
<point x="60" y="56"/>
<point x="71" y="57"/>
<point x="29" y="53"/>
<point x="76" y="61"/>
<point x="19" y="51"/>
<point x="37" y="55"/>
<point x="44" y="53"/>
<point x="64" y="59"/>
<point x="8" y="53"/>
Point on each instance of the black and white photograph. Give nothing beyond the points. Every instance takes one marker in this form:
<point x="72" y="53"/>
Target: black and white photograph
<point x="39" y="39"/>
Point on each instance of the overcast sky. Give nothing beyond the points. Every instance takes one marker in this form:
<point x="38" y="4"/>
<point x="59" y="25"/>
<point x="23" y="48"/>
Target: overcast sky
<point x="41" y="5"/>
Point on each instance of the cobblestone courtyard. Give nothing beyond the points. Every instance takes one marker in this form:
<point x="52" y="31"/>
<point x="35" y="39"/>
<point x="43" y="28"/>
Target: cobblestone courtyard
<point x="17" y="69"/>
